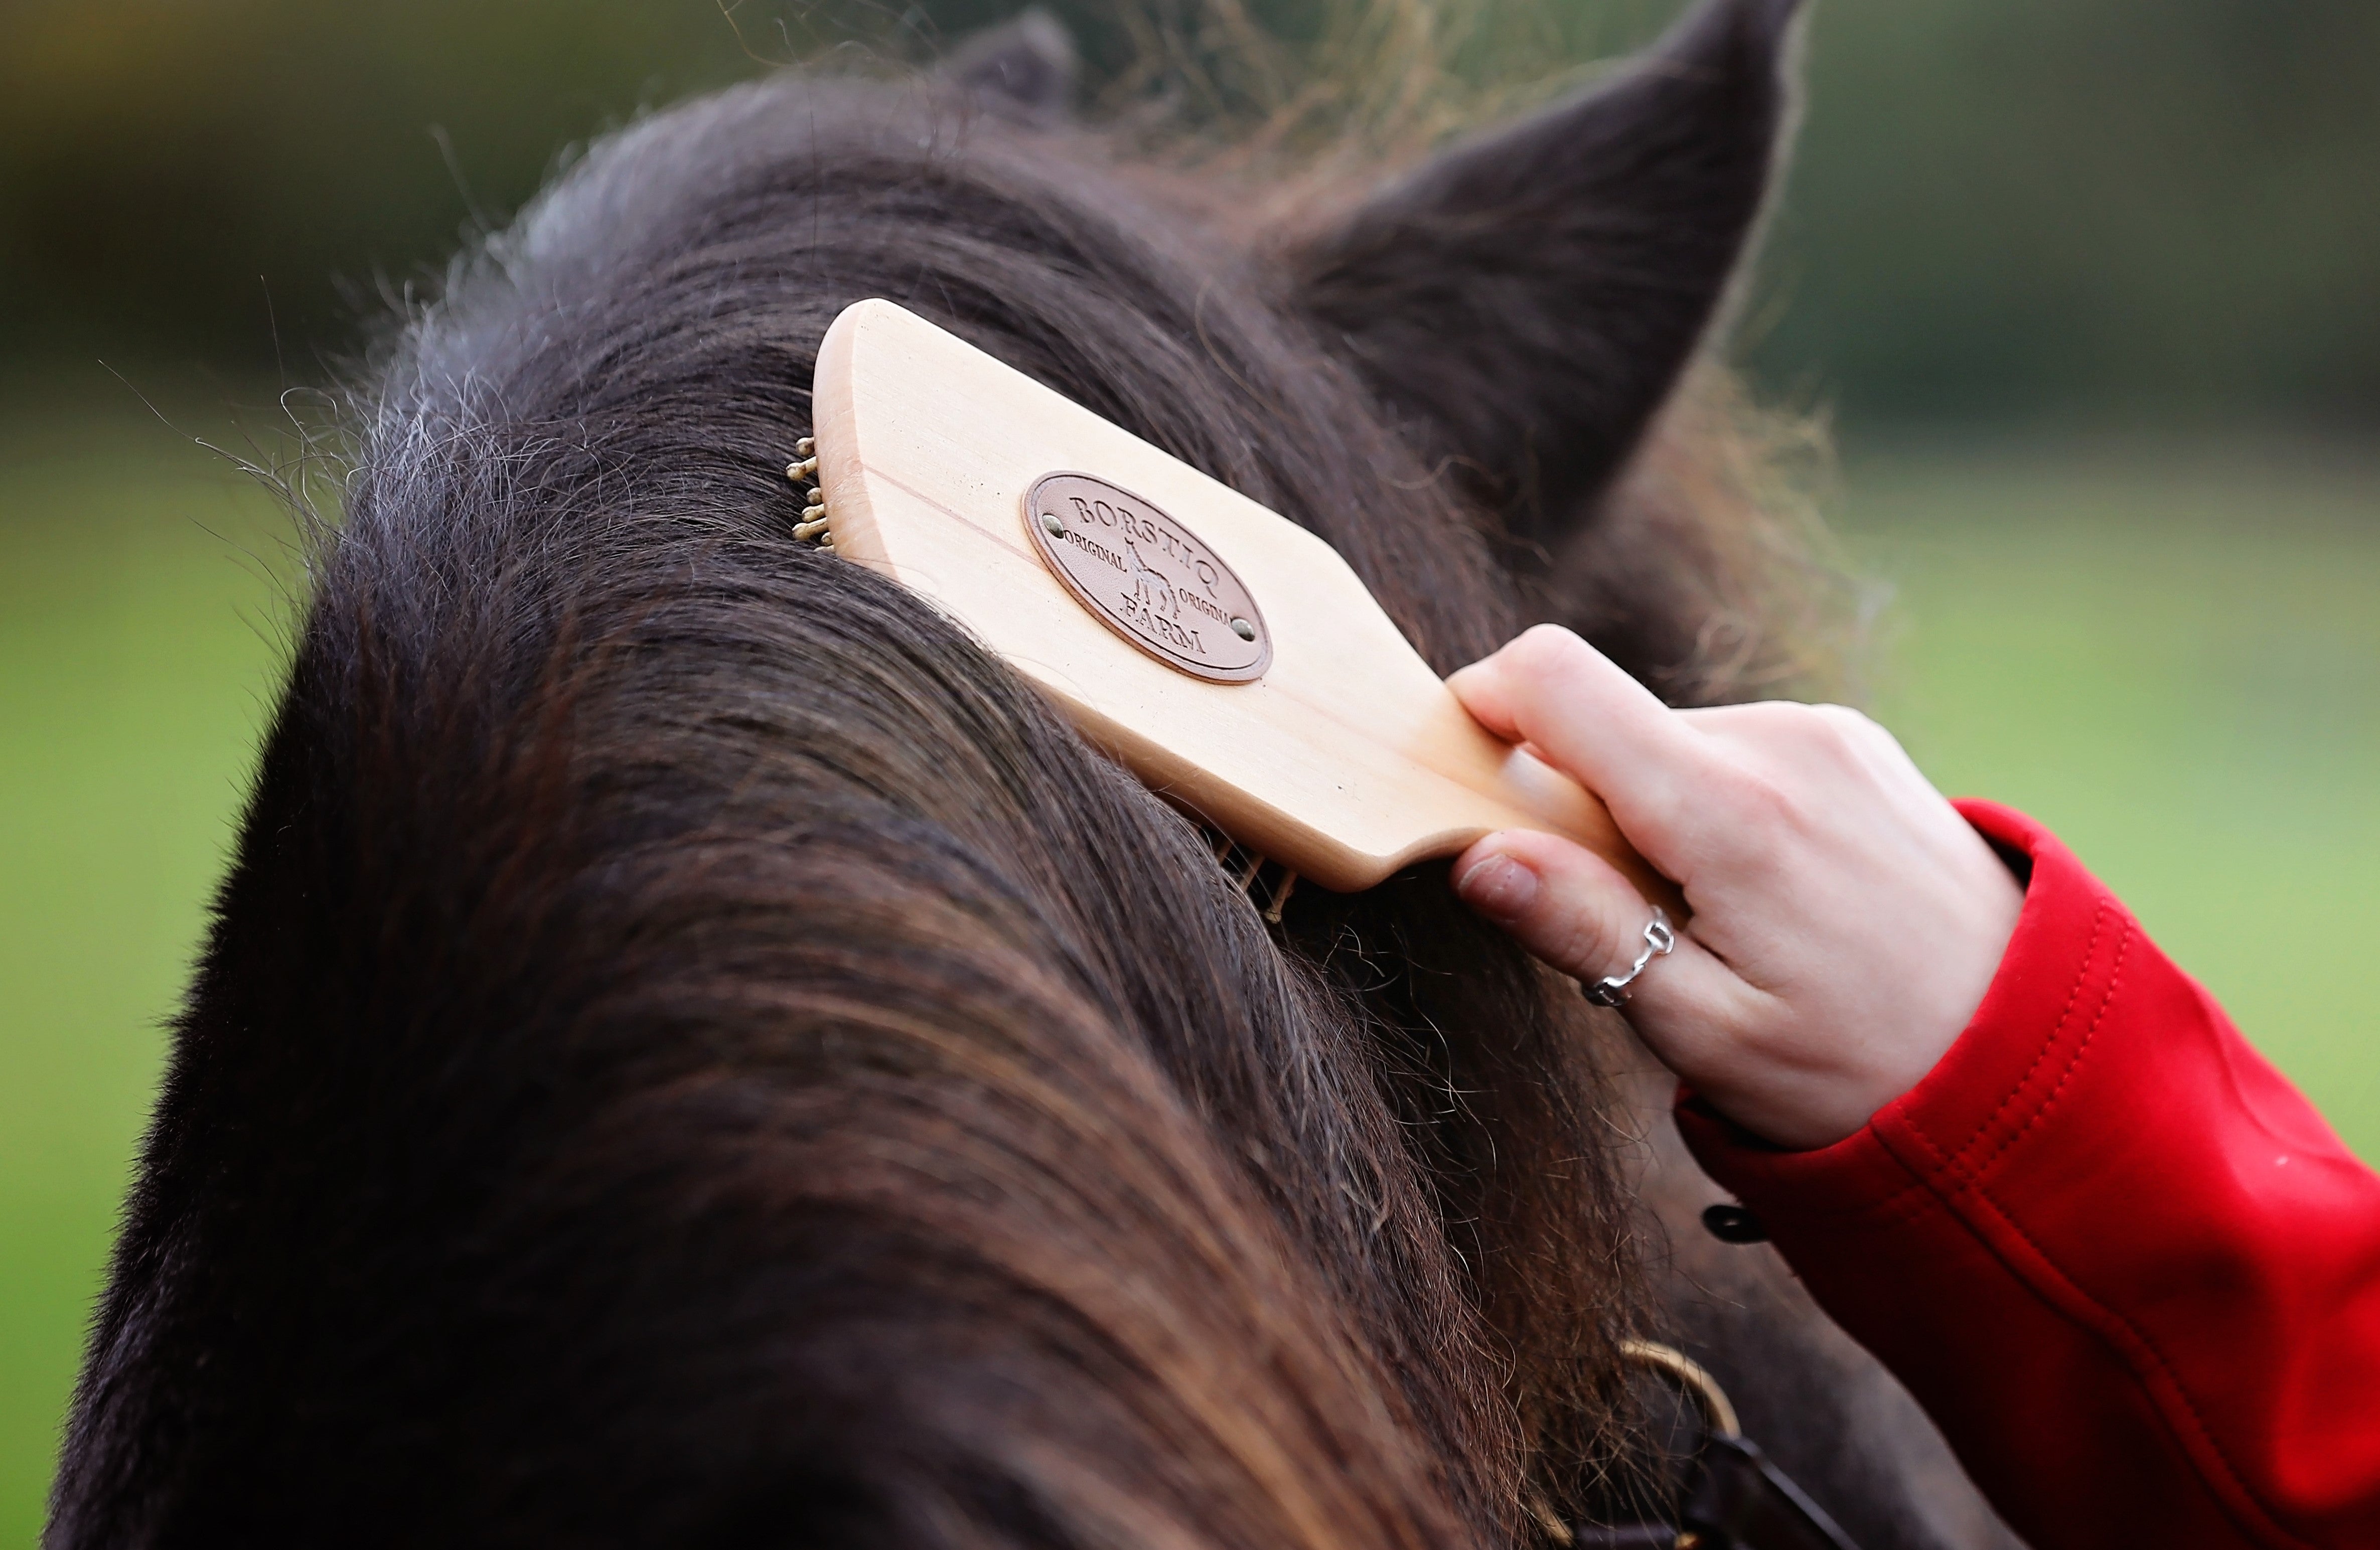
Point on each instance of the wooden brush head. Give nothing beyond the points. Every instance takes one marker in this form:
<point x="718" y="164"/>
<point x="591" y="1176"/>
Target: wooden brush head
<point x="1227" y="656"/>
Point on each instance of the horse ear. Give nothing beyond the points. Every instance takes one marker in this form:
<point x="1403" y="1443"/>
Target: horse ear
<point x="1527" y="301"/>
<point x="1023" y="69"/>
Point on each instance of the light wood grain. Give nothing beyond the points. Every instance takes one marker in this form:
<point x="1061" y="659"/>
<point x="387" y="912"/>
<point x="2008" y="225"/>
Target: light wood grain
<point x="1347" y="761"/>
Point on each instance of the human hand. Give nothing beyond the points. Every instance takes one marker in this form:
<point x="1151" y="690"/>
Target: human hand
<point x="1846" y="919"/>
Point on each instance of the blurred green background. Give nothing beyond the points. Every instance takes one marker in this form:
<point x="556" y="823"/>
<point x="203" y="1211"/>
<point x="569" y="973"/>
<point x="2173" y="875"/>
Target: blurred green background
<point x="2091" y="289"/>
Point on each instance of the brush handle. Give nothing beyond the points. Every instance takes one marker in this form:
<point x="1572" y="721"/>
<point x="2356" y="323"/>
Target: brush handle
<point x="1348" y="759"/>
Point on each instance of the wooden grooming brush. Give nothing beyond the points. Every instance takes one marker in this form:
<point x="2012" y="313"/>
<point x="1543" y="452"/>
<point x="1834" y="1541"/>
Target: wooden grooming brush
<point x="1227" y="656"/>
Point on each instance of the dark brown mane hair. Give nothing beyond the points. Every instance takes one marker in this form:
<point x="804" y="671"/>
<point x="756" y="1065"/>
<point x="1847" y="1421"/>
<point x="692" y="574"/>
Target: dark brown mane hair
<point x="691" y="1051"/>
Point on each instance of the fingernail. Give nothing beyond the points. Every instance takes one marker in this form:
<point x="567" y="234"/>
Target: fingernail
<point x="1498" y="886"/>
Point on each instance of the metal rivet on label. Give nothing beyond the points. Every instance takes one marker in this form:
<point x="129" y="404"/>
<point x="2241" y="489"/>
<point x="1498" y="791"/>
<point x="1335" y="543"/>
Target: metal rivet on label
<point x="1051" y="526"/>
<point x="1242" y="629"/>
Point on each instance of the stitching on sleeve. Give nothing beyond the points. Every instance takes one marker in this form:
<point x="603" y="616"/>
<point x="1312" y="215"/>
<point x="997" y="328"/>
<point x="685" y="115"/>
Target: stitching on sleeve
<point x="2265" y="1523"/>
<point x="1906" y="1205"/>
<point x="1967" y="1180"/>
<point x="2073" y="1063"/>
<point x="2073" y="994"/>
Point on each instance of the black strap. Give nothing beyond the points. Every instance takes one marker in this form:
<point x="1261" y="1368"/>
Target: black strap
<point x="1732" y="1499"/>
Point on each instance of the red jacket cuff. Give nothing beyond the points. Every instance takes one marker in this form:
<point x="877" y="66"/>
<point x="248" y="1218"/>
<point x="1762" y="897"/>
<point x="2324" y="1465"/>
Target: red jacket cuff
<point x="1994" y="1078"/>
<point x="2128" y="1269"/>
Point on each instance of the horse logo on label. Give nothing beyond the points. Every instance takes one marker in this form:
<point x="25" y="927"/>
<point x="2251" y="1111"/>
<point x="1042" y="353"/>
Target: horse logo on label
<point x="1149" y="587"/>
<point x="1148" y="577"/>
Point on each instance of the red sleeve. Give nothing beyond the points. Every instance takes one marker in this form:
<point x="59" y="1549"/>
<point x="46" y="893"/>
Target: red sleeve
<point x="2119" y="1258"/>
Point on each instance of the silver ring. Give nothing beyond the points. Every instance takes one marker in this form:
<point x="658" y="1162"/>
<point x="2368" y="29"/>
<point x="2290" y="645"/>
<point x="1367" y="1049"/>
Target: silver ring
<point x="1611" y="990"/>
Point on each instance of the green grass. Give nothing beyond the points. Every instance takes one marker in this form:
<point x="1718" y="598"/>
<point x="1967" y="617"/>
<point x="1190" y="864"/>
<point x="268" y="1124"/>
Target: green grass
<point x="138" y="619"/>
<point x="2173" y="660"/>
<point x="2175" y="663"/>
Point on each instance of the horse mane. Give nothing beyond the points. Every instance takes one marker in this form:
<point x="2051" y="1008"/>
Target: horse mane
<point x="690" y="1049"/>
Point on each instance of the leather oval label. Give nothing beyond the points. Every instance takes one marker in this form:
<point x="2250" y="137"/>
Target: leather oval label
<point x="1148" y="577"/>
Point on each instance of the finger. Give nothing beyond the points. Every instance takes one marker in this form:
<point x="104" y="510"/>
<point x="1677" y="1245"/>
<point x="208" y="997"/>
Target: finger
<point x="1811" y="729"/>
<point x="1837" y="758"/>
<point x="1590" y="720"/>
<point x="1571" y="909"/>
<point x="1875" y="744"/>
